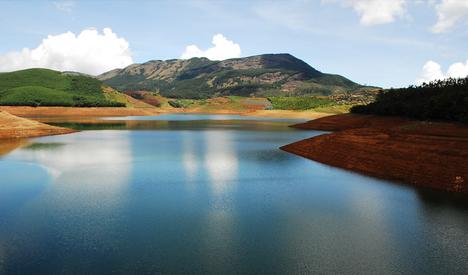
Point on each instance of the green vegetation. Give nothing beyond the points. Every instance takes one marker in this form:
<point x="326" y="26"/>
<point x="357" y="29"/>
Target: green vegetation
<point x="42" y="87"/>
<point x="114" y="96"/>
<point x="175" y="104"/>
<point x="443" y="99"/>
<point x="333" y="109"/>
<point x="298" y="103"/>
<point x="186" y="103"/>
<point x="231" y="103"/>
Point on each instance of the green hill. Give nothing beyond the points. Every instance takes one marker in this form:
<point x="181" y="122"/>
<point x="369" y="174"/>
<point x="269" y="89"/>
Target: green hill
<point x="43" y="87"/>
<point x="263" y="75"/>
<point x="440" y="100"/>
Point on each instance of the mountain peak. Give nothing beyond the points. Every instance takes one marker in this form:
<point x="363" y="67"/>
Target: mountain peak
<point x="199" y="77"/>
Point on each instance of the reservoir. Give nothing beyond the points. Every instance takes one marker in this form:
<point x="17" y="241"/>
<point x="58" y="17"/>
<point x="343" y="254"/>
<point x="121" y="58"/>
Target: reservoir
<point x="212" y="194"/>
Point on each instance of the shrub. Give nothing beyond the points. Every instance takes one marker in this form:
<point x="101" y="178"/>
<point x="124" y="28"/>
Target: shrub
<point x="175" y="104"/>
<point x="298" y="103"/>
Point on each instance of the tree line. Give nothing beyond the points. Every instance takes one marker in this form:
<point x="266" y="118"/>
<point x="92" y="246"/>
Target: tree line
<point x="438" y="100"/>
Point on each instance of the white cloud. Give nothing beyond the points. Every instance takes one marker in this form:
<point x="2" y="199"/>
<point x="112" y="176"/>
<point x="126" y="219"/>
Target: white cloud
<point x="458" y="70"/>
<point x="66" y="5"/>
<point x="430" y="71"/>
<point x="433" y="71"/>
<point x="449" y="12"/>
<point x="222" y="49"/>
<point x="88" y="52"/>
<point x="374" y="12"/>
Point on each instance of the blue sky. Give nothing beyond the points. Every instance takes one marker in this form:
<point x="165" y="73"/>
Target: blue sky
<point x="384" y="43"/>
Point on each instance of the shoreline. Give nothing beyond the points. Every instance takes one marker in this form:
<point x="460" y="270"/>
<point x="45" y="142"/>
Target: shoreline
<point x="34" y="112"/>
<point x="31" y="112"/>
<point x="14" y="127"/>
<point x="424" y="154"/>
<point x="252" y="113"/>
<point x="28" y="122"/>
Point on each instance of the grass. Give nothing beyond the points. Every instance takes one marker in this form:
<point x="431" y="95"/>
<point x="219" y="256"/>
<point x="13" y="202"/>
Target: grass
<point x="230" y="103"/>
<point x="113" y="95"/>
<point x="35" y="96"/>
<point x="34" y="77"/>
<point x="299" y="103"/>
<point x="43" y="87"/>
<point x="184" y="103"/>
<point x="241" y="104"/>
<point x="334" y="109"/>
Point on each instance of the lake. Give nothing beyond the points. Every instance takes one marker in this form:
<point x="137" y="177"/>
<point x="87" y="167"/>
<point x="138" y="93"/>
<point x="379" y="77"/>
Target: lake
<point x="212" y="194"/>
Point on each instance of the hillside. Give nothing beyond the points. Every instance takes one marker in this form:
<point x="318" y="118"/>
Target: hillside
<point x="262" y="75"/>
<point x="43" y="87"/>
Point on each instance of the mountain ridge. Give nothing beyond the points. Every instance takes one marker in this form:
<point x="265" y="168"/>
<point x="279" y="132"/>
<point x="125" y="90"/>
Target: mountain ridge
<point x="259" y="75"/>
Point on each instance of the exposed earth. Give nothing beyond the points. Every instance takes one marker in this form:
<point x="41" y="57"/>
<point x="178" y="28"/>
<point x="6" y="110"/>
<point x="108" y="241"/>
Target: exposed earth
<point x="426" y="154"/>
<point x="16" y="127"/>
<point x="25" y="111"/>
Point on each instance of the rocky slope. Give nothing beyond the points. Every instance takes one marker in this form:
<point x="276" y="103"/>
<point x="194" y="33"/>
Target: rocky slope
<point x="262" y="75"/>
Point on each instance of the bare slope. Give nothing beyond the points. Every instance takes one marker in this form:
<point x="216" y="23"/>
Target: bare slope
<point x="16" y="127"/>
<point x="433" y="155"/>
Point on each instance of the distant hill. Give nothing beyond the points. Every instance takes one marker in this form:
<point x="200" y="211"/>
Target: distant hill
<point x="261" y="75"/>
<point x="439" y="100"/>
<point x="43" y="87"/>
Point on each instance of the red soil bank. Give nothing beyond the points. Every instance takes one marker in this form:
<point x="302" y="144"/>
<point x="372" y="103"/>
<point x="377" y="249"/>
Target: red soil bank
<point x="433" y="155"/>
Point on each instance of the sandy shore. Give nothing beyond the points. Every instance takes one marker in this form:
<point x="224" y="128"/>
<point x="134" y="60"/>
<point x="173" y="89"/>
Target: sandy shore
<point x="31" y="112"/>
<point x="16" y="127"/>
<point x="433" y="155"/>
<point x="254" y="113"/>
<point x="25" y="111"/>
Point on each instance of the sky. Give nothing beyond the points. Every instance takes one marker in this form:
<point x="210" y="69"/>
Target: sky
<point x="386" y="43"/>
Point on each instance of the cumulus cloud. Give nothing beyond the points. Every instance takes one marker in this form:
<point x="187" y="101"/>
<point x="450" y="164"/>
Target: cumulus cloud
<point x="88" y="52"/>
<point x="222" y="49"/>
<point x="374" y="12"/>
<point x="449" y="12"/>
<point x="433" y="71"/>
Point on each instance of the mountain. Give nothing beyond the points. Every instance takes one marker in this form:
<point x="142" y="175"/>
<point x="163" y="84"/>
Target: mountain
<point x="43" y="87"/>
<point x="261" y="75"/>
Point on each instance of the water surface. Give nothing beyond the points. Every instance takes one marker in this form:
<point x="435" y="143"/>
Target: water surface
<point x="190" y="194"/>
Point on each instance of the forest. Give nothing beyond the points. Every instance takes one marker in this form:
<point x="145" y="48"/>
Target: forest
<point x="438" y="100"/>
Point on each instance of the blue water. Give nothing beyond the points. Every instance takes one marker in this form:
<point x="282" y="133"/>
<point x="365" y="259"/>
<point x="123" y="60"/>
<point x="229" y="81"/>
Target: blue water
<point x="202" y="117"/>
<point x="183" y="194"/>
